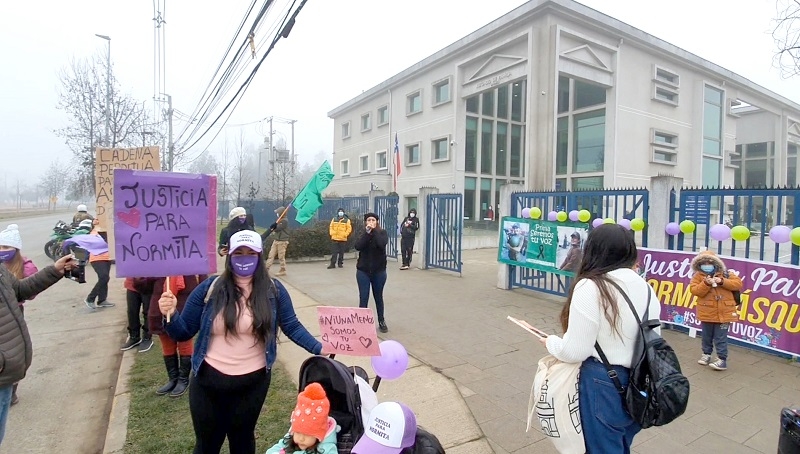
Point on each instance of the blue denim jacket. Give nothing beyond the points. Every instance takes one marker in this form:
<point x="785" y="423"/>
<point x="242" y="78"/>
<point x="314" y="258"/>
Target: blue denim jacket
<point x="197" y="317"/>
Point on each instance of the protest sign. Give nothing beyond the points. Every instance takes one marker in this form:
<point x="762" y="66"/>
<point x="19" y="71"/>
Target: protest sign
<point x="348" y="331"/>
<point x="164" y="223"/>
<point x="769" y="316"/>
<point x="108" y="159"/>
<point x="554" y="247"/>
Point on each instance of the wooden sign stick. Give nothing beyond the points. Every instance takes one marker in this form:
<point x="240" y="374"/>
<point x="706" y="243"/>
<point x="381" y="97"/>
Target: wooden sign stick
<point x="166" y="287"/>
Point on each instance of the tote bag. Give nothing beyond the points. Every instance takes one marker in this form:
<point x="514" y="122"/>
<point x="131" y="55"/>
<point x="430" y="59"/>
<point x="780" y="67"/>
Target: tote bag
<point x="553" y="404"/>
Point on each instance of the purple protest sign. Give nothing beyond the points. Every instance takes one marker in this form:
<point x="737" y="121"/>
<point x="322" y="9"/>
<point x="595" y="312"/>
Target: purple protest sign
<point x="769" y="317"/>
<point x="164" y="223"/>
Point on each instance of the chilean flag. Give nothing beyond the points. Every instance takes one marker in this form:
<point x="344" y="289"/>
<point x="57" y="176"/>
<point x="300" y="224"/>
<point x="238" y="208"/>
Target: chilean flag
<point x="397" y="168"/>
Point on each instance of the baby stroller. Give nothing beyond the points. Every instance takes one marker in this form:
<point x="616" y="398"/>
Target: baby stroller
<point x="344" y="386"/>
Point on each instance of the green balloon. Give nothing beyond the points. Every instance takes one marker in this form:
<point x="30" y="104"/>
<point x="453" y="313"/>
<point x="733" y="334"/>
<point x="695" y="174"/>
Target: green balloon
<point x="561" y="216"/>
<point x="609" y="221"/>
<point x="536" y="213"/>
<point x="687" y="226"/>
<point x="795" y="236"/>
<point x="637" y="224"/>
<point x="740" y="233"/>
<point x="584" y="215"/>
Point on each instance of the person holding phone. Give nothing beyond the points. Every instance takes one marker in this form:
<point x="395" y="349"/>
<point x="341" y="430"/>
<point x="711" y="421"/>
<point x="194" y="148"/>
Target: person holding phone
<point x="371" y="266"/>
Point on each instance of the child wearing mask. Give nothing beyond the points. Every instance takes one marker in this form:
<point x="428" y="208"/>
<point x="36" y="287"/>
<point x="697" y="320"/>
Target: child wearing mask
<point x="312" y="431"/>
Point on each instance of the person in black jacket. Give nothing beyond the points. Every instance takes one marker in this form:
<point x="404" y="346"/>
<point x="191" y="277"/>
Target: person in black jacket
<point x="408" y="232"/>
<point x="238" y="220"/>
<point x="371" y="266"/>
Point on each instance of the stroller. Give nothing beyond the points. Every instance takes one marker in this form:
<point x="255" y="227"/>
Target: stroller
<point x="345" y="386"/>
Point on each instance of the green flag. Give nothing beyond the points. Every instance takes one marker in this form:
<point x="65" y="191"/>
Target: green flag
<point x="310" y="198"/>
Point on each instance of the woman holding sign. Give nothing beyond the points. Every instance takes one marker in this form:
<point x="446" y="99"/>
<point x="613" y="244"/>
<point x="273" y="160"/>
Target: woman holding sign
<point x="236" y="318"/>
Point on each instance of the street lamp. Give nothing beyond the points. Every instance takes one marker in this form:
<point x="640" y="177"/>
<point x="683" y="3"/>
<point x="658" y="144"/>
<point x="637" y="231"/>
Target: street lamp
<point x="108" y="87"/>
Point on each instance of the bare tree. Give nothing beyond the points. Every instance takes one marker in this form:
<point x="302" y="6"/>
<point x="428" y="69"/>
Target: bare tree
<point x="54" y="182"/>
<point x="243" y="167"/>
<point x="787" y="37"/>
<point x="205" y="164"/>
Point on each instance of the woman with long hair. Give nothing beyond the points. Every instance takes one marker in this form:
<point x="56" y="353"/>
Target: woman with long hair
<point x="236" y="318"/>
<point x="596" y="312"/>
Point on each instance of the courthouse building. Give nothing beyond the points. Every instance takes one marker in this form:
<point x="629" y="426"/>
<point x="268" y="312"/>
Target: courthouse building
<point x="555" y="95"/>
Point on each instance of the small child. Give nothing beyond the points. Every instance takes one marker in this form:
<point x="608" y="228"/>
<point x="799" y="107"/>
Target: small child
<point x="714" y="285"/>
<point x="312" y="431"/>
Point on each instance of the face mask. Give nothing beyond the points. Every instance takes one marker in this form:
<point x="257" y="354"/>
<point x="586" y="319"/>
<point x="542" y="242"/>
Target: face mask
<point x="341" y="213"/>
<point x="6" y="256"/>
<point x="411" y="215"/>
<point x="242" y="220"/>
<point x="708" y="269"/>
<point x="244" y="265"/>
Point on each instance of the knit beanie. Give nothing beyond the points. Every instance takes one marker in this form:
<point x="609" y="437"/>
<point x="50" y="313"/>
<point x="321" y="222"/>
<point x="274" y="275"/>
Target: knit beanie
<point x="10" y="237"/>
<point x="236" y="212"/>
<point x="310" y="416"/>
<point x="371" y="215"/>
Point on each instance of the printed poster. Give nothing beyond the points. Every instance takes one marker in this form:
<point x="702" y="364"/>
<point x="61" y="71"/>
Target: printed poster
<point x="554" y="247"/>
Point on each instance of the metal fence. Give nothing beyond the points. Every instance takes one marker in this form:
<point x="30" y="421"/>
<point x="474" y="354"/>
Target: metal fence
<point x="353" y="206"/>
<point x="444" y="226"/>
<point x="386" y="207"/>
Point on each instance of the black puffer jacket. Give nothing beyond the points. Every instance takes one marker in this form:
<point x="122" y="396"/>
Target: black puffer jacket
<point x="16" y="351"/>
<point x="371" y="249"/>
<point x="227" y="232"/>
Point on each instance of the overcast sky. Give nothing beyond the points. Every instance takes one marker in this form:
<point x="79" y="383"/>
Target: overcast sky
<point x="337" y="49"/>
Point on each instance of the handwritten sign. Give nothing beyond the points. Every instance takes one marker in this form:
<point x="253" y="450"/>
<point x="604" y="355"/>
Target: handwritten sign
<point x="348" y="331"/>
<point x="164" y="223"/>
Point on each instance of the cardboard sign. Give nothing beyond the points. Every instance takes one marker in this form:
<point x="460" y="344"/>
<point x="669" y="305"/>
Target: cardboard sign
<point x="165" y="223"/>
<point x="348" y="331"/>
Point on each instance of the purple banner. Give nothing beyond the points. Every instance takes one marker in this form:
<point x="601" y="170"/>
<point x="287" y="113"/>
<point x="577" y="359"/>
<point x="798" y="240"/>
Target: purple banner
<point x="164" y="223"/>
<point x="95" y="244"/>
<point x="769" y="317"/>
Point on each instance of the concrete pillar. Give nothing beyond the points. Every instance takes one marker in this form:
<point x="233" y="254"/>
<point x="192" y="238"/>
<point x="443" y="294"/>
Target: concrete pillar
<point x="424" y="217"/>
<point x="659" y="212"/>
<point x="372" y="194"/>
<point x="505" y="209"/>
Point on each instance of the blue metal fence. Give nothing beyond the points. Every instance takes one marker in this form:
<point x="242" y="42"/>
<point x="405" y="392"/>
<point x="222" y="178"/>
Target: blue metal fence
<point x="386" y="207"/>
<point x="616" y="204"/>
<point x="444" y="226"/>
<point x="355" y="207"/>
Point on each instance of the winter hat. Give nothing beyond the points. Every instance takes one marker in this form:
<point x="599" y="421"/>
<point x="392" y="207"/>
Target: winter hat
<point x="279" y="210"/>
<point x="10" y="237"/>
<point x="310" y="416"/>
<point x="236" y="212"/>
<point x="246" y="238"/>
<point x="392" y="427"/>
<point x="371" y="215"/>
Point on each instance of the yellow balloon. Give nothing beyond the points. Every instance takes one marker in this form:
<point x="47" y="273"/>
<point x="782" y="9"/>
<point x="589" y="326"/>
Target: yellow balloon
<point x="687" y="226"/>
<point x="795" y="236"/>
<point x="536" y="213"/>
<point x="740" y="233"/>
<point x="637" y="224"/>
<point x="609" y="221"/>
<point x="561" y="216"/>
<point x="584" y="215"/>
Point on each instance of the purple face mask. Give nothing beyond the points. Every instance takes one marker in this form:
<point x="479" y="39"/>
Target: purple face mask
<point x="244" y="265"/>
<point x="6" y="256"/>
<point x="242" y="220"/>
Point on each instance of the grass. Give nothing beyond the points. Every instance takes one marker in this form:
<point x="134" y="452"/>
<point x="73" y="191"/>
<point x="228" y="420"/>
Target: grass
<point x="163" y="424"/>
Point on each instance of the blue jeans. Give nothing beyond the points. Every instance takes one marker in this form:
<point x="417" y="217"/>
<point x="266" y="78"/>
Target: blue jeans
<point x="607" y="427"/>
<point x="715" y="335"/>
<point x="377" y="281"/>
<point x="5" y="404"/>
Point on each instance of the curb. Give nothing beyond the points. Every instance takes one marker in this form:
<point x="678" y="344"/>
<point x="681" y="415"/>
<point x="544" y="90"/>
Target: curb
<point x="117" y="431"/>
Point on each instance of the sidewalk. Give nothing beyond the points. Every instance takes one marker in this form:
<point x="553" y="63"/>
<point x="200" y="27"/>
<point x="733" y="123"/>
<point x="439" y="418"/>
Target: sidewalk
<point x="471" y="372"/>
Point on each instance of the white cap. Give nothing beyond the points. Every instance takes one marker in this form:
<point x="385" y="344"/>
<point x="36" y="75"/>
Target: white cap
<point x="10" y="237"/>
<point x="392" y="427"/>
<point x="247" y="238"/>
<point x="236" y="212"/>
<point x="82" y="207"/>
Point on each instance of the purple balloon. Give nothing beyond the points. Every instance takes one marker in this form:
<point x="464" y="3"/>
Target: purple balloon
<point x="393" y="361"/>
<point x="526" y="212"/>
<point x="625" y="223"/>
<point x="597" y="222"/>
<point x="552" y="216"/>
<point x="720" y="232"/>
<point x="780" y="234"/>
<point x="673" y="228"/>
<point x="573" y="215"/>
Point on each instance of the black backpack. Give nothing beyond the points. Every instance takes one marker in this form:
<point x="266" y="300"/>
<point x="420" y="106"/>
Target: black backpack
<point x="657" y="391"/>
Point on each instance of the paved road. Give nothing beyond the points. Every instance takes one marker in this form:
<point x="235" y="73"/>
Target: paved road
<point x="66" y="396"/>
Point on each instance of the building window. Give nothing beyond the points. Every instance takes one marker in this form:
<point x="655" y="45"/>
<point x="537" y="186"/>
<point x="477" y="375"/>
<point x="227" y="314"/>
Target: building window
<point x="380" y="161"/>
<point x="346" y="130"/>
<point x="470" y="184"/>
<point x="587" y="183"/>
<point x="441" y="92"/>
<point x="664" y="147"/>
<point x="383" y="115"/>
<point x="791" y="165"/>
<point x="666" y="77"/>
<point x="501" y="149"/>
<point x="589" y="142"/>
<point x="366" y="122"/>
<point x="411" y="203"/>
<point x="440" y="150"/>
<point x="665" y="95"/>
<point x="473" y="102"/>
<point x="344" y="167"/>
<point x="471" y="145"/>
<point x="712" y="137"/>
<point x="588" y="95"/>
<point x="363" y="163"/>
<point x="412" y="154"/>
<point x="487" y="142"/>
<point x="580" y="144"/>
<point x="756" y="163"/>
<point x="414" y="103"/>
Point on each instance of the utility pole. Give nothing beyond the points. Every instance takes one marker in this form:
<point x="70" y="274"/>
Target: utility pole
<point x="292" y="122"/>
<point x="170" y="144"/>
<point x="108" y="87"/>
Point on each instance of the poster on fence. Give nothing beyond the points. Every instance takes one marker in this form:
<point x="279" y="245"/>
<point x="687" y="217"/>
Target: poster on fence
<point x="769" y="317"/>
<point x="165" y="223"/>
<point x="555" y="247"/>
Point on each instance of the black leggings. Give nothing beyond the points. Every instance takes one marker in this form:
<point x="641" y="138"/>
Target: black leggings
<point x="100" y="289"/>
<point x="226" y="405"/>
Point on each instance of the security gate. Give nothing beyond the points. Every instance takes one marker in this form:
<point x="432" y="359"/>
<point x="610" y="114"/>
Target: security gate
<point x="444" y="224"/>
<point x="386" y="209"/>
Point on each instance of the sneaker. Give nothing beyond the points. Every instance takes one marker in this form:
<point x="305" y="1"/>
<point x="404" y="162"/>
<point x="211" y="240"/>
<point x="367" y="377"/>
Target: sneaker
<point x="146" y="345"/>
<point x="719" y="364"/>
<point x="89" y="304"/>
<point x="14" y="399"/>
<point x="331" y="266"/>
<point x="130" y="343"/>
<point x="281" y="273"/>
<point x="404" y="267"/>
<point x="341" y="265"/>
<point x="104" y="303"/>
<point x="382" y="326"/>
<point x="704" y="360"/>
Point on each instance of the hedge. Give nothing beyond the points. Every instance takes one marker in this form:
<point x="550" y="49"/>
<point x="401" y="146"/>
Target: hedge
<point x="315" y="240"/>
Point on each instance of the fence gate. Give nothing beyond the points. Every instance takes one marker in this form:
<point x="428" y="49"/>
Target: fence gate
<point x="386" y="209"/>
<point x="444" y="225"/>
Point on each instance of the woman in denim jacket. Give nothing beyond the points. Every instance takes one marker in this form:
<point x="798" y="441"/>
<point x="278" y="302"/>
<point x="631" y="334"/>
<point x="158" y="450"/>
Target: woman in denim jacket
<point x="236" y="318"/>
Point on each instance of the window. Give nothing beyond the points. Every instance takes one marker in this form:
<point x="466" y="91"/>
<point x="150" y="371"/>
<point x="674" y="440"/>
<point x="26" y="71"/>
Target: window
<point x="587" y="95"/>
<point x="471" y="145"/>
<point x="472" y="104"/>
<point x="712" y="137"/>
<point x="344" y="167"/>
<point x="411" y="203"/>
<point x="502" y="102"/>
<point x="518" y="101"/>
<point x="587" y="183"/>
<point x="345" y="130"/>
<point x="383" y="115"/>
<point x="589" y="145"/>
<point x="665" y="95"/>
<point x="414" y="103"/>
<point x="380" y="161"/>
<point x="439" y="150"/>
<point x="664" y="147"/>
<point x="412" y="154"/>
<point x="502" y="149"/>
<point x="363" y="163"/>
<point x="366" y="122"/>
<point x="441" y="92"/>
<point x="487" y="129"/>
<point x="791" y="165"/>
<point x="470" y="184"/>
<point x="487" y="101"/>
<point x="563" y="94"/>
<point x="580" y="144"/>
<point x="562" y="146"/>
<point x="666" y="77"/>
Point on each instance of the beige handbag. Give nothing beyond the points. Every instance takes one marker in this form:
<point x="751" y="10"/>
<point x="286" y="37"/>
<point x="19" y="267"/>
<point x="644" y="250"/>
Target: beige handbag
<point x="553" y="404"/>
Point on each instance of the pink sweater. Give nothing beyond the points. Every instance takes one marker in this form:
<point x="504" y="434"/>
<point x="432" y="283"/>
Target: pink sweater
<point x="240" y="353"/>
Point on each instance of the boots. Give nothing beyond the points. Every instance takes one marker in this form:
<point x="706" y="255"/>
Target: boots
<point x="14" y="398"/>
<point x="183" y="377"/>
<point x="171" y="362"/>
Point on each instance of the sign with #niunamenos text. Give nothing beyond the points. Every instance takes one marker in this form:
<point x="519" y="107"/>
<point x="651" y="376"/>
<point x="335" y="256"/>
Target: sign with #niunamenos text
<point x="164" y="223"/>
<point x="348" y="331"/>
<point x="555" y="247"/>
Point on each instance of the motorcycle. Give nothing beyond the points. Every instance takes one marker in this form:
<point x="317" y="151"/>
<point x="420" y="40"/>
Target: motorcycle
<point x="61" y="232"/>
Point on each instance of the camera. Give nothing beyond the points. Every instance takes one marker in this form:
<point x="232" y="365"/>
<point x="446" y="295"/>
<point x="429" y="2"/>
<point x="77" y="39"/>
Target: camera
<point x="78" y="274"/>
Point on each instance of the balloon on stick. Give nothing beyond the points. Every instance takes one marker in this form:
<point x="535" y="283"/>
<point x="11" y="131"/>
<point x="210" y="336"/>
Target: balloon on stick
<point x="392" y="362"/>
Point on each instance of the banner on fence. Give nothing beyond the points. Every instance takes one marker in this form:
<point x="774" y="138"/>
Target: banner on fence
<point x="555" y="247"/>
<point x="165" y="223"/>
<point x="769" y="317"/>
